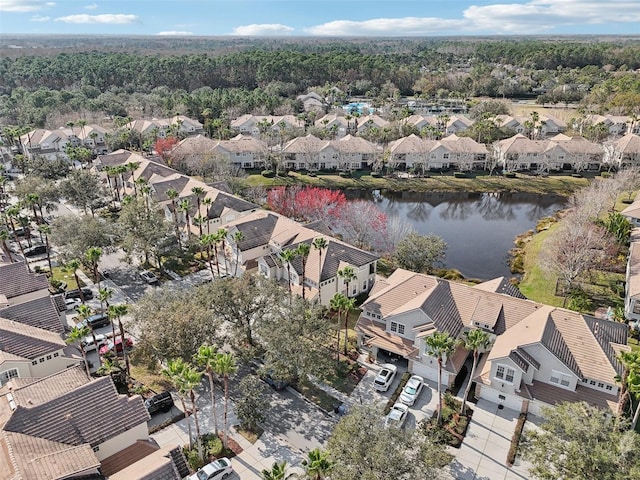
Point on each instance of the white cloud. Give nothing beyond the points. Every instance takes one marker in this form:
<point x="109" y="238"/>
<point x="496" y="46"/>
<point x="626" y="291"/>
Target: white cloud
<point x="261" y="30"/>
<point x="23" y="5"/>
<point x="387" y="26"/>
<point x="40" y="18"/>
<point x="526" y="17"/>
<point x="174" y="33"/>
<point x="93" y="6"/>
<point x="105" y="19"/>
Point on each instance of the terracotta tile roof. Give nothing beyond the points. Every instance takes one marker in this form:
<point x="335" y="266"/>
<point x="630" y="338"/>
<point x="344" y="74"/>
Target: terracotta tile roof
<point x="551" y="395"/>
<point x="159" y="465"/>
<point x="38" y="391"/>
<point x="383" y="339"/>
<point x="411" y="144"/>
<point x="27" y="341"/>
<point x="16" y="280"/>
<point x="628" y="144"/>
<point x="500" y="285"/>
<point x="128" y="456"/>
<point x="520" y="144"/>
<point x="351" y="144"/>
<point x="39" y="312"/>
<point x="307" y="144"/>
<point x="456" y="144"/>
<point x="38" y="458"/>
<point x="66" y="419"/>
<point x="633" y="210"/>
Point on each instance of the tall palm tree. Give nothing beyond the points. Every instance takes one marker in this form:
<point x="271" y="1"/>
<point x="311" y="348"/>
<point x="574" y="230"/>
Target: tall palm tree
<point x="629" y="361"/>
<point x="302" y="251"/>
<point x="73" y="265"/>
<point x="84" y="312"/>
<point x="112" y="312"/>
<point x="278" y="472"/>
<point x="238" y="237"/>
<point x="320" y="244"/>
<point x="347" y="274"/>
<point x="287" y="255"/>
<point x="104" y="294"/>
<point x="77" y="335"/>
<point x="206" y="357"/>
<point x="25" y="223"/>
<point x="348" y="304"/>
<point x="46" y="230"/>
<point x="92" y="256"/>
<point x="199" y="193"/>
<point x="32" y="200"/>
<point x="185" y="207"/>
<point x="225" y="366"/>
<point x="439" y="345"/>
<point x="207" y="240"/>
<point x="317" y="464"/>
<point x="172" y="194"/>
<point x="336" y="304"/>
<point x="222" y="236"/>
<point x="173" y="373"/>
<point x="132" y="167"/>
<point x="11" y="215"/>
<point x="633" y="384"/>
<point x="207" y="202"/>
<point x="4" y="236"/>
<point x="475" y="341"/>
<point x="119" y="311"/>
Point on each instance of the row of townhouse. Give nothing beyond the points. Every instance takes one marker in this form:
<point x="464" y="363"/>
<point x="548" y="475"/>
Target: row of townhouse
<point x="214" y="205"/>
<point x="539" y="355"/>
<point x="56" y="422"/>
<point x="264" y="234"/>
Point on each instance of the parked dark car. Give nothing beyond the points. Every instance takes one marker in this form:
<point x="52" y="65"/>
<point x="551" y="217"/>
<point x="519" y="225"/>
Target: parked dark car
<point x="35" y="250"/>
<point x="162" y="402"/>
<point x="88" y="294"/>
<point x="96" y="321"/>
<point x="274" y="382"/>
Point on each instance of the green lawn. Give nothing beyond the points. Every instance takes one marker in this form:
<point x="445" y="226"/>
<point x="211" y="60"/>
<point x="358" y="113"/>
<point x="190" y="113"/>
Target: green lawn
<point x="538" y="284"/>
<point x="316" y="395"/>
<point x="66" y="276"/>
<point x="557" y="185"/>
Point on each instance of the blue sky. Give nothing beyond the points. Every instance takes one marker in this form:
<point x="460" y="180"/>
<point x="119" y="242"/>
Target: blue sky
<point x="320" y="17"/>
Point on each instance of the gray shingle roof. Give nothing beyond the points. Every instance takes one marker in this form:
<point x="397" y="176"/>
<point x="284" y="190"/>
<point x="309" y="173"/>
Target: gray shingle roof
<point x="441" y="308"/>
<point x="607" y="332"/>
<point x="256" y="232"/>
<point x="519" y="360"/>
<point x="341" y="252"/>
<point x="26" y="341"/>
<point x="528" y="358"/>
<point x="66" y="419"/>
<point x="39" y="312"/>
<point x="224" y="200"/>
<point x="16" y="280"/>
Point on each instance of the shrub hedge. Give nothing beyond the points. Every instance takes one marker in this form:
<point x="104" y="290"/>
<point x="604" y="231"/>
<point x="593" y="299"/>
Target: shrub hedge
<point x="515" y="439"/>
<point x="268" y="173"/>
<point x="396" y="393"/>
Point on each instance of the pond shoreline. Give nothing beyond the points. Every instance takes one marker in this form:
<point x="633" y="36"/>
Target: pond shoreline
<point x="561" y="185"/>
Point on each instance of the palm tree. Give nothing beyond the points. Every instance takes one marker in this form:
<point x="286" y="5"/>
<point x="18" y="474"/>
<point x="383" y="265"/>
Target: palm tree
<point x="46" y="230"/>
<point x="222" y="238"/>
<point x="439" y="345"/>
<point x="11" y="214"/>
<point x="77" y="335"/>
<point x="475" y="341"/>
<point x="132" y="167"/>
<point x="74" y="265"/>
<point x="4" y="236"/>
<point x="320" y="244"/>
<point x="185" y="207"/>
<point x="84" y="312"/>
<point x="119" y="311"/>
<point x="278" y="472"/>
<point x="207" y="240"/>
<point x="33" y="201"/>
<point x="302" y="251"/>
<point x="112" y="312"/>
<point x="287" y="255"/>
<point x="317" y="464"/>
<point x="207" y="202"/>
<point x="206" y="357"/>
<point x="172" y="194"/>
<point x="104" y="294"/>
<point x="336" y="304"/>
<point x="92" y="256"/>
<point x="238" y="237"/>
<point x="25" y="223"/>
<point x="630" y="361"/>
<point x="199" y="193"/>
<point x="633" y="384"/>
<point x="347" y="274"/>
<point x="173" y="373"/>
<point x="225" y="365"/>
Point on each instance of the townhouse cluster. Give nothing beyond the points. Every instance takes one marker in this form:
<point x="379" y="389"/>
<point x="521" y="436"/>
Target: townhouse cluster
<point x="539" y="147"/>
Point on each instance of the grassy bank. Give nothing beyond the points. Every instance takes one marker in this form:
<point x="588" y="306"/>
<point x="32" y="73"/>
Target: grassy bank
<point x="362" y="180"/>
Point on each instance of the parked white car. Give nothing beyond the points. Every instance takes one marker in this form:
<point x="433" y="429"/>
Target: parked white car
<point x="216" y="470"/>
<point x="385" y="377"/>
<point x="149" y="277"/>
<point x="72" y="303"/>
<point x="88" y="344"/>
<point x="412" y="390"/>
<point x="397" y="415"/>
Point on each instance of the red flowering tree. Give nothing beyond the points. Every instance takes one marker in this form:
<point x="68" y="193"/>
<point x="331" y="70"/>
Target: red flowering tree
<point x="163" y="146"/>
<point x="306" y="203"/>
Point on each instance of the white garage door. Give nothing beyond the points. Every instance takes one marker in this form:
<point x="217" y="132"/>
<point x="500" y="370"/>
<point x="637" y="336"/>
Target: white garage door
<point x="509" y="401"/>
<point x="429" y="373"/>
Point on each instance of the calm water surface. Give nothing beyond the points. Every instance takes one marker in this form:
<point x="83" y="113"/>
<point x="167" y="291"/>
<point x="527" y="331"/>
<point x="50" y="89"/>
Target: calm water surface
<point x="479" y="228"/>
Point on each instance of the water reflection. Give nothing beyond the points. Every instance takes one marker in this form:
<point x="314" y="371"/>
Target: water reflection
<point x="479" y="228"/>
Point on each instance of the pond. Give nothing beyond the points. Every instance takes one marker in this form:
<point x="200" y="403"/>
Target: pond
<point x="479" y="228"/>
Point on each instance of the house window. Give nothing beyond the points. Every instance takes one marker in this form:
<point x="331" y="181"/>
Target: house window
<point x="41" y="360"/>
<point x="592" y="382"/>
<point x="401" y="329"/>
<point x="505" y="373"/>
<point x="609" y="387"/>
<point x="48" y="357"/>
<point x="96" y="448"/>
<point x="636" y="307"/>
<point x="397" y="328"/>
<point x="394" y="327"/>
<point x="8" y="375"/>
<point x="56" y="354"/>
<point x="560" y="378"/>
<point x="35" y="362"/>
<point x="600" y="385"/>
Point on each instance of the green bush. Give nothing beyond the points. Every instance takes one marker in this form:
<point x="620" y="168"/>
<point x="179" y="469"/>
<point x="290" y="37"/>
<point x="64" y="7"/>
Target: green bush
<point x="460" y="175"/>
<point x="394" y="398"/>
<point x="605" y="174"/>
<point x="212" y="445"/>
<point x="515" y="439"/>
<point x="313" y="174"/>
<point x="345" y="174"/>
<point x="510" y="174"/>
<point x="376" y="174"/>
<point x="268" y="173"/>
